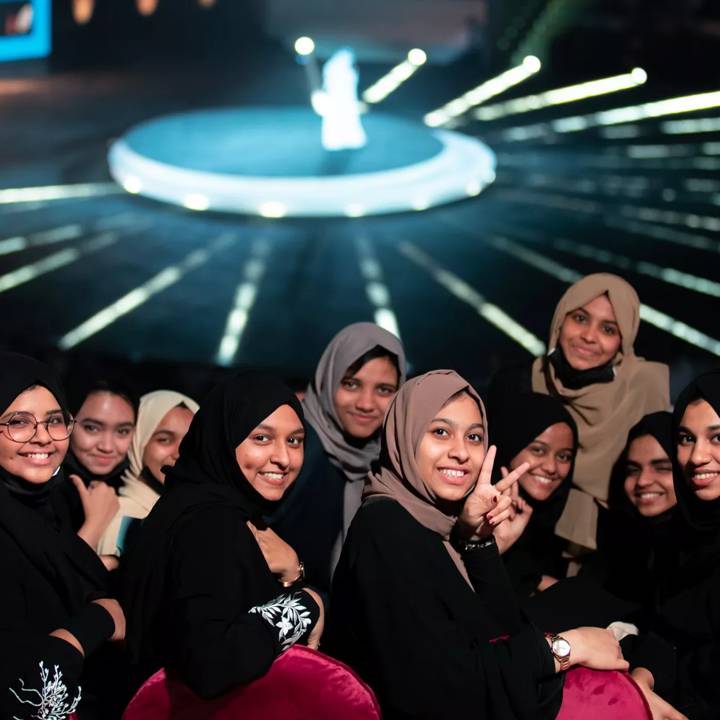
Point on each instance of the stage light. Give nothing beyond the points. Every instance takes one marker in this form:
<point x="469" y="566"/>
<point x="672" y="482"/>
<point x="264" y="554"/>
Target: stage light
<point x="473" y="188"/>
<point x="196" y="201"/>
<point x="354" y="210"/>
<point x="82" y="11"/>
<point x="206" y="3"/>
<point x="417" y="57"/>
<point x="397" y="75"/>
<point x="10" y="196"/>
<point x="132" y="185"/>
<point x="559" y="96"/>
<point x="618" y="116"/>
<point x="479" y="94"/>
<point x="304" y="46"/>
<point x="690" y="127"/>
<point x="272" y="209"/>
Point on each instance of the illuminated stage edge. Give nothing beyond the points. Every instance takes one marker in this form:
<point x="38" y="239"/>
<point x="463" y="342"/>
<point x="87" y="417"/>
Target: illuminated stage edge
<point x="462" y="168"/>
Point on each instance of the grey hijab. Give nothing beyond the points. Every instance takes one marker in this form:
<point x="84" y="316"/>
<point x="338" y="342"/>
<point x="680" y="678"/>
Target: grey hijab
<point x="353" y="460"/>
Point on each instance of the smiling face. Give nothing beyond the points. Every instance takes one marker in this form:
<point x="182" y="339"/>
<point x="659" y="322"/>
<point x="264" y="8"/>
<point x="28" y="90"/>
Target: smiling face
<point x="451" y="451"/>
<point x="589" y="335"/>
<point x="648" y="477"/>
<point x="162" y="448"/>
<point x="37" y="460"/>
<point x="271" y="456"/>
<point x="362" y="398"/>
<point x="103" y="430"/>
<point x="550" y="456"/>
<point x="698" y="449"/>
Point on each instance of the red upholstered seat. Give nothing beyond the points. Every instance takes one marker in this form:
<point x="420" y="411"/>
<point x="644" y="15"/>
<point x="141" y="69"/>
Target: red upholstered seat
<point x="602" y="695"/>
<point x="302" y="684"/>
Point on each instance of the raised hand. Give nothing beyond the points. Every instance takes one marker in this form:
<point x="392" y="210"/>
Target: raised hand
<point x="99" y="504"/>
<point x="508" y="532"/>
<point x="488" y="505"/>
<point x="280" y="557"/>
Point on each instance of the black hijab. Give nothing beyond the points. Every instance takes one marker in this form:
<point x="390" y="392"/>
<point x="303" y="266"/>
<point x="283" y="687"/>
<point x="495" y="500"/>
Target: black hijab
<point x="206" y="474"/>
<point x="26" y="512"/>
<point x="659" y="426"/>
<point x="636" y="549"/>
<point x="517" y="421"/>
<point x="700" y="515"/>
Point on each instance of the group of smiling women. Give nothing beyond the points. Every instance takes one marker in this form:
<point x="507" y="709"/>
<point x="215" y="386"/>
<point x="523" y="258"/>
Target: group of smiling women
<point x="459" y="560"/>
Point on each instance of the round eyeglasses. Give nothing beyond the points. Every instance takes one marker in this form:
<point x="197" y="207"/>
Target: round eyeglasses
<point x="22" y="427"/>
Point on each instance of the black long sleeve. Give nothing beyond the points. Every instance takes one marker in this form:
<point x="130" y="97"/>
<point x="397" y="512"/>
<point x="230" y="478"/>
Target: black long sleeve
<point x="29" y="611"/>
<point x="217" y="576"/>
<point x="405" y="618"/>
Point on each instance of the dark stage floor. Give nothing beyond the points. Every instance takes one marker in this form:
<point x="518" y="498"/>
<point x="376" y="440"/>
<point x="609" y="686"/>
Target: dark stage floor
<point x="123" y="275"/>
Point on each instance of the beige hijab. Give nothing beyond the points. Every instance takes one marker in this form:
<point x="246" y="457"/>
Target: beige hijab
<point x="137" y="498"/>
<point x="604" y="412"/>
<point x="397" y="475"/>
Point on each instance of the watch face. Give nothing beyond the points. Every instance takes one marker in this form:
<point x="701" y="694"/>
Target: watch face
<point x="561" y="647"/>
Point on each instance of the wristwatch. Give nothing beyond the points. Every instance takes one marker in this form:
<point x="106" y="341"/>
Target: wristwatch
<point x="300" y="578"/>
<point x="560" y="649"/>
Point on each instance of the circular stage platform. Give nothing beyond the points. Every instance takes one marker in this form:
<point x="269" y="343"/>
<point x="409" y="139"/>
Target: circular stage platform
<point x="269" y="161"/>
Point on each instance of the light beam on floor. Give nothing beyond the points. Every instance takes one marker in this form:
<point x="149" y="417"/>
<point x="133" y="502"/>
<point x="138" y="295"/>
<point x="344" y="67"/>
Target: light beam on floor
<point x="57" y="192"/>
<point x="462" y="291"/>
<point x="245" y="295"/>
<point x="375" y="287"/>
<point x="141" y="294"/>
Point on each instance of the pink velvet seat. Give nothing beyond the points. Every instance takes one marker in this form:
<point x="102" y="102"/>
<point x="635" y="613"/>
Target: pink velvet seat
<point x="602" y="695"/>
<point x="302" y="684"/>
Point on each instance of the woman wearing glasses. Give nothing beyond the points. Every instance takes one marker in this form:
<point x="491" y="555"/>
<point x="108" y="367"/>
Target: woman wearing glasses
<point x="55" y="610"/>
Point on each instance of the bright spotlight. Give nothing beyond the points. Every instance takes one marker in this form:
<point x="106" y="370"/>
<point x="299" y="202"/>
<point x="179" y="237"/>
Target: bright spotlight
<point x="532" y="63"/>
<point x="417" y="57"/>
<point x="304" y="46"/>
<point x="132" y="184"/>
<point x="196" y="201"/>
<point x="272" y="209"/>
<point x="638" y="75"/>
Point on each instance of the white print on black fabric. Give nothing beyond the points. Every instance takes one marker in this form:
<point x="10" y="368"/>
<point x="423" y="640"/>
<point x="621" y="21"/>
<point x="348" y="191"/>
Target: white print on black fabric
<point x="288" y="615"/>
<point x="51" y="701"/>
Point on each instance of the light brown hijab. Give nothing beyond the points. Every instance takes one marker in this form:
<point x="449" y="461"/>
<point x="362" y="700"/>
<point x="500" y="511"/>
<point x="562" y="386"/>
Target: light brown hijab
<point x="604" y="412"/>
<point x="397" y="476"/>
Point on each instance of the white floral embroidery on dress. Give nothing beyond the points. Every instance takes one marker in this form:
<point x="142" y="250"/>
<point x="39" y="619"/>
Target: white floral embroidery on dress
<point x="52" y="701"/>
<point x="288" y="615"/>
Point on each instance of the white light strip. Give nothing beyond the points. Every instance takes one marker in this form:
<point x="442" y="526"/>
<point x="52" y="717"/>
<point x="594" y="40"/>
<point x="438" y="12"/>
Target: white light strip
<point x="668" y="234"/>
<point x="560" y="96"/>
<point x="671" y="217"/>
<point x="478" y="95"/>
<point x="375" y="288"/>
<point x="665" y="274"/>
<point x="26" y="273"/>
<point x="244" y="300"/>
<point x="18" y="243"/>
<point x="57" y="192"/>
<point x="45" y="237"/>
<point x="141" y="294"/>
<point x="467" y="294"/>
<point x="618" y="116"/>
<point x="390" y="82"/>
<point x="655" y="317"/>
<point x="690" y="127"/>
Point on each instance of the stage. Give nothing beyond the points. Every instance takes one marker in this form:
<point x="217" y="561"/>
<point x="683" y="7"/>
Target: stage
<point x="269" y="161"/>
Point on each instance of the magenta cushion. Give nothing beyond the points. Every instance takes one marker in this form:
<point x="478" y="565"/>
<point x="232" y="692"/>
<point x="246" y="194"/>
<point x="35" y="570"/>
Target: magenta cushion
<point x="302" y="684"/>
<point x="602" y="695"/>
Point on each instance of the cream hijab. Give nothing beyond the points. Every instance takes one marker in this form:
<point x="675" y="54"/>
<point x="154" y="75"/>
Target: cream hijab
<point x="137" y="498"/>
<point x="397" y="476"/>
<point x="604" y="412"/>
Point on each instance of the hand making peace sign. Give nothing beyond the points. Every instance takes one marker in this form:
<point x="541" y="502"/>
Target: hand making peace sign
<point x="486" y="506"/>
